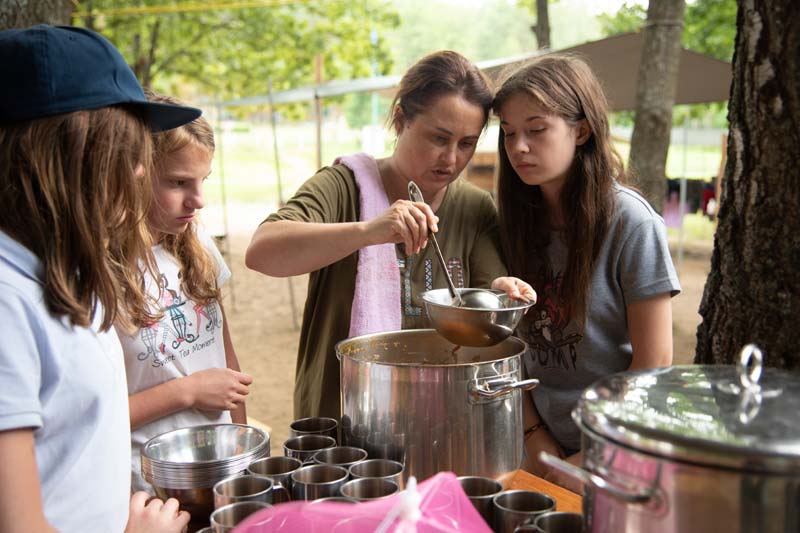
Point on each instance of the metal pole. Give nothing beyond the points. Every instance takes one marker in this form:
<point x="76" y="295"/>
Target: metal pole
<point x="682" y="198"/>
<point x="318" y="107"/>
<point x="373" y="65"/>
<point x="272" y="120"/>
<point x="275" y="143"/>
<point x="221" y="167"/>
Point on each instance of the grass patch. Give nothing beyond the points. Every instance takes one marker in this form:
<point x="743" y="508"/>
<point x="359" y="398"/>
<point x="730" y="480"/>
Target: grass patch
<point x="696" y="227"/>
<point x="245" y="157"/>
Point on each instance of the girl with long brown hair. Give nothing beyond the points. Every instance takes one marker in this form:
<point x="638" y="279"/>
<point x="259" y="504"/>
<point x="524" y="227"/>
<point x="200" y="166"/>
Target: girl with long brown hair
<point x="74" y="165"/>
<point x="594" y="249"/>
<point x="182" y="369"/>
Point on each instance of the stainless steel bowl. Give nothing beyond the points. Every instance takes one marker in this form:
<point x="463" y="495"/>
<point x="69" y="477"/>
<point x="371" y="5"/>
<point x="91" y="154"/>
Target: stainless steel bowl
<point x="204" y="445"/>
<point x="469" y="326"/>
<point x="186" y="463"/>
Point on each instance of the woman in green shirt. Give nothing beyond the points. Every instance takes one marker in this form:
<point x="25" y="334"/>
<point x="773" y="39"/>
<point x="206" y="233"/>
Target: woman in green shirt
<point x="344" y="222"/>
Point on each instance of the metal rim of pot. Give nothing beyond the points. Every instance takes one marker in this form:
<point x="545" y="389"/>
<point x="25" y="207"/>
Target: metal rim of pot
<point x="749" y="432"/>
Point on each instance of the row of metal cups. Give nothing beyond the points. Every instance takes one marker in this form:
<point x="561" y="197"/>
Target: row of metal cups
<point x="515" y="511"/>
<point x="312" y="468"/>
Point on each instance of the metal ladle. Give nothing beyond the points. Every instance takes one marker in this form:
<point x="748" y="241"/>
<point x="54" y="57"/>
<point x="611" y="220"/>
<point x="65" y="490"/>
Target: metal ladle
<point x="474" y="298"/>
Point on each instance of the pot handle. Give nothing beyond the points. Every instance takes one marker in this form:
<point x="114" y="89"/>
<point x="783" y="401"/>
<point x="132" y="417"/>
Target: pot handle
<point x="596" y="481"/>
<point x="490" y="389"/>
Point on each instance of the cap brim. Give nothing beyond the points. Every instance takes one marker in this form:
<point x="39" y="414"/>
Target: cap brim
<point x="162" y="117"/>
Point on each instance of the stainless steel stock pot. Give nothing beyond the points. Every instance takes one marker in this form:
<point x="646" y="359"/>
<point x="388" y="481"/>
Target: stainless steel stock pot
<point x="414" y="397"/>
<point x="691" y="449"/>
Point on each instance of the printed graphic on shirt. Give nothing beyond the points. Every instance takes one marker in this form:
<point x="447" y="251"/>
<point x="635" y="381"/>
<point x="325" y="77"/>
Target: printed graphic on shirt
<point x="406" y="266"/>
<point x="546" y="329"/>
<point x="166" y="336"/>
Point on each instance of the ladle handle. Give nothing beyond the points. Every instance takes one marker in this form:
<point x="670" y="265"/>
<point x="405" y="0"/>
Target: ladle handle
<point x="415" y="195"/>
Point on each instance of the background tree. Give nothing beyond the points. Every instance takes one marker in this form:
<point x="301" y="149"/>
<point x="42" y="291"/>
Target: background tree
<point x="232" y="52"/>
<point x="542" y="27"/>
<point x="752" y="293"/>
<point x="655" y="96"/>
<point x="23" y="13"/>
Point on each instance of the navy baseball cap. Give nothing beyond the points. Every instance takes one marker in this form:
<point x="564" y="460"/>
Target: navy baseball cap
<point x="48" y="70"/>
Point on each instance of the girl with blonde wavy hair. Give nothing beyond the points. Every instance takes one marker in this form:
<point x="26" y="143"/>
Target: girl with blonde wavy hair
<point x="181" y="367"/>
<point x="75" y="158"/>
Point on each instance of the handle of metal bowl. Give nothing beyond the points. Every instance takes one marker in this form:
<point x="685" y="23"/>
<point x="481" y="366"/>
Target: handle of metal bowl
<point x="596" y="481"/>
<point x="493" y="388"/>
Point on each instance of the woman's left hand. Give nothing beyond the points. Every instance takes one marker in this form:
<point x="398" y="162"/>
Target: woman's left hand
<point x="515" y="288"/>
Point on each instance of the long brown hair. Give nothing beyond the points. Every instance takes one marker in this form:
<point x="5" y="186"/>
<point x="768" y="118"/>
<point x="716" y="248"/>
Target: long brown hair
<point x="198" y="270"/>
<point x="566" y="87"/>
<point x="436" y="75"/>
<point x="71" y="195"/>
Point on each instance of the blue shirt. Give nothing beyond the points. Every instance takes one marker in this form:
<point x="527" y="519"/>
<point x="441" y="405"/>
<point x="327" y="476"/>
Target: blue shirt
<point x="68" y="385"/>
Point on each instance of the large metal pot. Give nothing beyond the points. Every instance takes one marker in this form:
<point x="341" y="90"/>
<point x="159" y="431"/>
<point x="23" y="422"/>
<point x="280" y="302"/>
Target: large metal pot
<point x="691" y="449"/>
<point x="414" y="397"/>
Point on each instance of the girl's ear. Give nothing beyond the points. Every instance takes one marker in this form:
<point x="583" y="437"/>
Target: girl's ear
<point x="583" y="132"/>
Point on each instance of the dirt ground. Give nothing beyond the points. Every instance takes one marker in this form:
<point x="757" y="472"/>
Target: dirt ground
<point x="265" y="334"/>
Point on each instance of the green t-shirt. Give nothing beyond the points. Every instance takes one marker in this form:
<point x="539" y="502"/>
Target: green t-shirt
<point x="468" y="237"/>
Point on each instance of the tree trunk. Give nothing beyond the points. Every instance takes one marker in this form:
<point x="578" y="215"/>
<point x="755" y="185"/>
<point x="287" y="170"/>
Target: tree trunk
<point x="655" y="96"/>
<point x="24" y="13"/>
<point x="542" y="27"/>
<point x="753" y="291"/>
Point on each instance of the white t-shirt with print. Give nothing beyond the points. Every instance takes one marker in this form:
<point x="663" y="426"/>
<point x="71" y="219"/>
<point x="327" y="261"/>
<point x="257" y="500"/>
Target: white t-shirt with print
<point x="187" y="339"/>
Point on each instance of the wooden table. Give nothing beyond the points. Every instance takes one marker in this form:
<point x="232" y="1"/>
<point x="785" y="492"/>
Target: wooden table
<point x="566" y="500"/>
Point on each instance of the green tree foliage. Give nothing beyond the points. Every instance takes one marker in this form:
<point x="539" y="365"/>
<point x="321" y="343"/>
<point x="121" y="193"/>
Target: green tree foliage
<point x="232" y="52"/>
<point x="629" y="18"/>
<point x="709" y="25"/>
<point x="483" y="30"/>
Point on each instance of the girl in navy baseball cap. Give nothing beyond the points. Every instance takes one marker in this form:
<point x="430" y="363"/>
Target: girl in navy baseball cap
<point x="75" y="158"/>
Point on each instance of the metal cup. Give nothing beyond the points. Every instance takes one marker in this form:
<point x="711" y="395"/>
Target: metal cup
<point x="224" y="519"/>
<point x="245" y="488"/>
<point x="345" y="456"/>
<point x="305" y="446"/>
<point x="317" y="481"/>
<point x="559" y="523"/>
<point x="514" y="507"/>
<point x="381" y="468"/>
<point x="279" y="469"/>
<point x="315" y="426"/>
<point x="480" y="491"/>
<point x="369" y="488"/>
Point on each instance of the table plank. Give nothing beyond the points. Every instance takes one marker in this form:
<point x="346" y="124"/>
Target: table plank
<point x="566" y="500"/>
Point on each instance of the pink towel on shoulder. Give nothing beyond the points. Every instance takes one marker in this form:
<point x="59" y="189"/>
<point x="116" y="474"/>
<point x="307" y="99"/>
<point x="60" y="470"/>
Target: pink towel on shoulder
<point x="376" y="300"/>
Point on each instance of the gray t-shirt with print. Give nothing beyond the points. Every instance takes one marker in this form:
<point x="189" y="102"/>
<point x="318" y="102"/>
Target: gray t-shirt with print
<point x="633" y="264"/>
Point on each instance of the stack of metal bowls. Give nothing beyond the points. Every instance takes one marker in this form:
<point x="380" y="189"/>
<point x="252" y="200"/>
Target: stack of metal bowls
<point x="186" y="463"/>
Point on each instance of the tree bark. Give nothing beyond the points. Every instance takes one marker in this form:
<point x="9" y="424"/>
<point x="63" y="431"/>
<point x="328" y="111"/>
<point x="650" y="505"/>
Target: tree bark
<point x="542" y="27"/>
<point x="24" y="13"/>
<point x="655" y="96"/>
<point x="752" y="293"/>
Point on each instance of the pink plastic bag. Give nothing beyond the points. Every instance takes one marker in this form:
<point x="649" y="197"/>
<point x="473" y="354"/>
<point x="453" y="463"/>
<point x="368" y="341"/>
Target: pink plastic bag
<point x="439" y="505"/>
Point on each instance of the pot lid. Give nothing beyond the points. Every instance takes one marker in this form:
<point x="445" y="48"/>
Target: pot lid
<point x="742" y="416"/>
